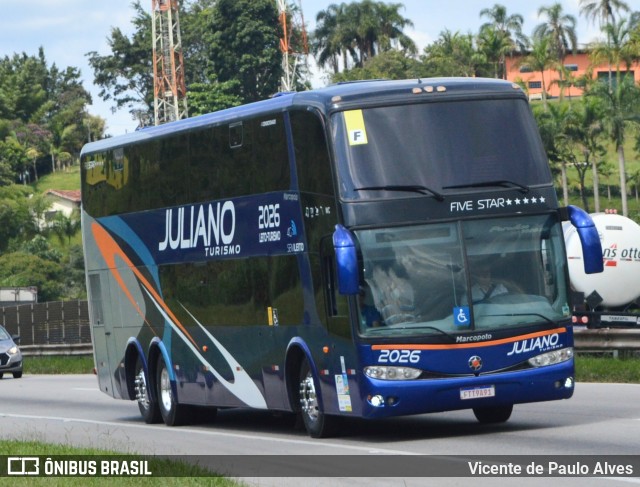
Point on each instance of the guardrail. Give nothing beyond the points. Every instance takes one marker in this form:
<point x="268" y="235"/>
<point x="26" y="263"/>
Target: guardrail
<point x="62" y="349"/>
<point x="606" y="339"/>
<point x="585" y="340"/>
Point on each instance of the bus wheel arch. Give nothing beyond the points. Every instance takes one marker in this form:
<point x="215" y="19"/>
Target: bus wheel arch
<point x="305" y="396"/>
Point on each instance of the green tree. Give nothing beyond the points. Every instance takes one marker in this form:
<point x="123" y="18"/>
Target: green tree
<point x="362" y="30"/>
<point x="125" y="76"/>
<point x="65" y="227"/>
<point x="494" y="45"/>
<point x="20" y="269"/>
<point x="510" y="26"/>
<point x="15" y="218"/>
<point x="553" y="123"/>
<point x="245" y="46"/>
<point x="327" y="41"/>
<point x="602" y="10"/>
<point x="540" y="59"/>
<point x="388" y="65"/>
<point x="452" y="54"/>
<point x="560" y="29"/>
<point x="620" y="108"/>
<point x="586" y="133"/>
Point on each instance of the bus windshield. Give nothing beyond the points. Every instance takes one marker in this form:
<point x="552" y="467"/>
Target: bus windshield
<point x="461" y="277"/>
<point x="437" y="146"/>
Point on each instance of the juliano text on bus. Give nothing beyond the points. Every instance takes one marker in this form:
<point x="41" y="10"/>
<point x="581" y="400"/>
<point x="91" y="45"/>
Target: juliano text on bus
<point x="369" y="249"/>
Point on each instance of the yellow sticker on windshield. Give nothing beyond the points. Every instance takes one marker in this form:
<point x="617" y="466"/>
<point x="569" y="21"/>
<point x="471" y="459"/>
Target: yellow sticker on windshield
<point x="356" y="131"/>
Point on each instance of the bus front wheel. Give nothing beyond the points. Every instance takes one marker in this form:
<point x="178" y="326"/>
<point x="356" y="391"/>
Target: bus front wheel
<point x="173" y="414"/>
<point x="492" y="415"/>
<point x="317" y="423"/>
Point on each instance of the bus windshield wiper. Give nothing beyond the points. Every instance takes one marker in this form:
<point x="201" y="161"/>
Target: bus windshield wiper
<point x="546" y="319"/>
<point x="384" y="330"/>
<point x="413" y="188"/>
<point x="484" y="184"/>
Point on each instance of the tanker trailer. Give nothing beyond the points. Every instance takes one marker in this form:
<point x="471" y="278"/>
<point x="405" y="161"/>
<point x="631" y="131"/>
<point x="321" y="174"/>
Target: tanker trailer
<point x="612" y="297"/>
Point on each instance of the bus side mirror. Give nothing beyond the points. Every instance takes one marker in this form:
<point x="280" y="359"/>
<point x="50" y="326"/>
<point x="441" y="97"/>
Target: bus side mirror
<point x="346" y="261"/>
<point x="589" y="239"/>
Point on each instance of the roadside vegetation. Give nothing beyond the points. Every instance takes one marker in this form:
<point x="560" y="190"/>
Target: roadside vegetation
<point x="589" y="368"/>
<point x="168" y="472"/>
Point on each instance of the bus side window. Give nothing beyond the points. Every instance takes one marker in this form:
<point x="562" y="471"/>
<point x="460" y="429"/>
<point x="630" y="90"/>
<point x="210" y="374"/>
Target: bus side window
<point x="235" y="135"/>
<point x="336" y="304"/>
<point x="330" y="284"/>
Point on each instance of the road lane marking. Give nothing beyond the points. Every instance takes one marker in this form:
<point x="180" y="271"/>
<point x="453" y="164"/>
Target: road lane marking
<point x="373" y="451"/>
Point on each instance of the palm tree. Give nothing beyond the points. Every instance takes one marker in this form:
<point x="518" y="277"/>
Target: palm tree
<point x="391" y="28"/>
<point x="66" y="226"/>
<point x="33" y="154"/>
<point x="360" y="29"/>
<point x="560" y="28"/>
<point x="586" y="131"/>
<point x="495" y="45"/>
<point x="621" y="106"/>
<point x="325" y="43"/>
<point x="554" y="128"/>
<point x="539" y="60"/>
<point x="618" y="49"/>
<point x="509" y="25"/>
<point x="602" y="10"/>
<point x="607" y="171"/>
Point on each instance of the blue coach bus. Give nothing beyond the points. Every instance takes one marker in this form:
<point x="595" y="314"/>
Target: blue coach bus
<point x="369" y="249"/>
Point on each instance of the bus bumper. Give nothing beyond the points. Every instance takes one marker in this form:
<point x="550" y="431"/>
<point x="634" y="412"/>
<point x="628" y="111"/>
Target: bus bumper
<point x="397" y="398"/>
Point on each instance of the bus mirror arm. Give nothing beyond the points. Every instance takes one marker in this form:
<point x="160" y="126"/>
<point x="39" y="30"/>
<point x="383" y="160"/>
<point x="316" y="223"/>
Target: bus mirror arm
<point x="346" y="261"/>
<point x="589" y="239"/>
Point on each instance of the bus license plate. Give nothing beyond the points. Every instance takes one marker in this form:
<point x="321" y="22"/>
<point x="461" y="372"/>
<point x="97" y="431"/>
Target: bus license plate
<point x="477" y="392"/>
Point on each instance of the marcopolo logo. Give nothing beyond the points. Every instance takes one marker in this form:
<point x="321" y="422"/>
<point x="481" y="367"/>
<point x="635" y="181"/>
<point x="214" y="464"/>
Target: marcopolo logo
<point x="210" y="227"/>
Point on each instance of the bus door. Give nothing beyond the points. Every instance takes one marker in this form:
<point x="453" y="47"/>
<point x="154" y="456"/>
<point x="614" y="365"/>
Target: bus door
<point x="104" y="352"/>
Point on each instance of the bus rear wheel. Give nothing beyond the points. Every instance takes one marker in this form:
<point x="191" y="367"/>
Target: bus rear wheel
<point x="147" y="405"/>
<point x="492" y="415"/>
<point x="173" y="414"/>
<point x="317" y="423"/>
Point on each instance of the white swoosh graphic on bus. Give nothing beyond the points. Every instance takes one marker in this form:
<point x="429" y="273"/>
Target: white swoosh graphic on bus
<point x="242" y="386"/>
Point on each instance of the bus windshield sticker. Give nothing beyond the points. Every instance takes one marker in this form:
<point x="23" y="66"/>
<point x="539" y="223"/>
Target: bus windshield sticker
<point x="356" y="130"/>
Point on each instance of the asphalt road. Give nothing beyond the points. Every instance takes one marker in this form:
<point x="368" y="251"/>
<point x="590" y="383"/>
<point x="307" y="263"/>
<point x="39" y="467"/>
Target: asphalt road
<point x="601" y="419"/>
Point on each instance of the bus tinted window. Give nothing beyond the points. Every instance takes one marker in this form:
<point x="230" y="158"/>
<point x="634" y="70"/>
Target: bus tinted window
<point x="312" y="156"/>
<point x="438" y="145"/>
<point x="235" y="292"/>
<point x="188" y="167"/>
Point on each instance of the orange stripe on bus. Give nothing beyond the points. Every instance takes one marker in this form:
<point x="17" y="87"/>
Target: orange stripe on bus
<point x="491" y="343"/>
<point x="109" y="249"/>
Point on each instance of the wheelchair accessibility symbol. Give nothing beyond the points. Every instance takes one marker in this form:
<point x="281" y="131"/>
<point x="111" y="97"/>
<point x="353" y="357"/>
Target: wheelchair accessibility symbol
<point x="461" y="316"/>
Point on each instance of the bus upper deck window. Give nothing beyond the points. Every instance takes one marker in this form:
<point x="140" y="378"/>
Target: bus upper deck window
<point x="235" y="135"/>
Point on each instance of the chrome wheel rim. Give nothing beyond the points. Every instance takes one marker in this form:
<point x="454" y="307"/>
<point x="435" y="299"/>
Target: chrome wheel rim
<point x="165" y="390"/>
<point x="308" y="397"/>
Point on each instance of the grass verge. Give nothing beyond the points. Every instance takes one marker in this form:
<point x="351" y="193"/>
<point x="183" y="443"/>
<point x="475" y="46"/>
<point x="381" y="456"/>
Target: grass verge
<point x="167" y="472"/>
<point x="588" y="368"/>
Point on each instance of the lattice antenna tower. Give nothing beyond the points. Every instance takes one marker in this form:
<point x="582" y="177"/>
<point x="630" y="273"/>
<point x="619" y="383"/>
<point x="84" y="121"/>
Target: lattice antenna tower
<point x="169" y="90"/>
<point x="294" y="43"/>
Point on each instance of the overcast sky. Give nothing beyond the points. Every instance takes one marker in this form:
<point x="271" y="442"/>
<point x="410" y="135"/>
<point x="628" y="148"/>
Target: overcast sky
<point x="68" y="29"/>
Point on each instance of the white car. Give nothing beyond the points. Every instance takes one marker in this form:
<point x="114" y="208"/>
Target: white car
<point x="10" y="355"/>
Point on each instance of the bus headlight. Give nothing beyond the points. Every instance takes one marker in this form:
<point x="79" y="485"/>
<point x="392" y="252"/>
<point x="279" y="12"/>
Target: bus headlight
<point x="551" y="358"/>
<point x="392" y="373"/>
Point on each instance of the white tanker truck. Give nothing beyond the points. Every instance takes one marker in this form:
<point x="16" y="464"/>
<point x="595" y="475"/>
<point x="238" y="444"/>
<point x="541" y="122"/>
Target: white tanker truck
<point x="612" y="297"/>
